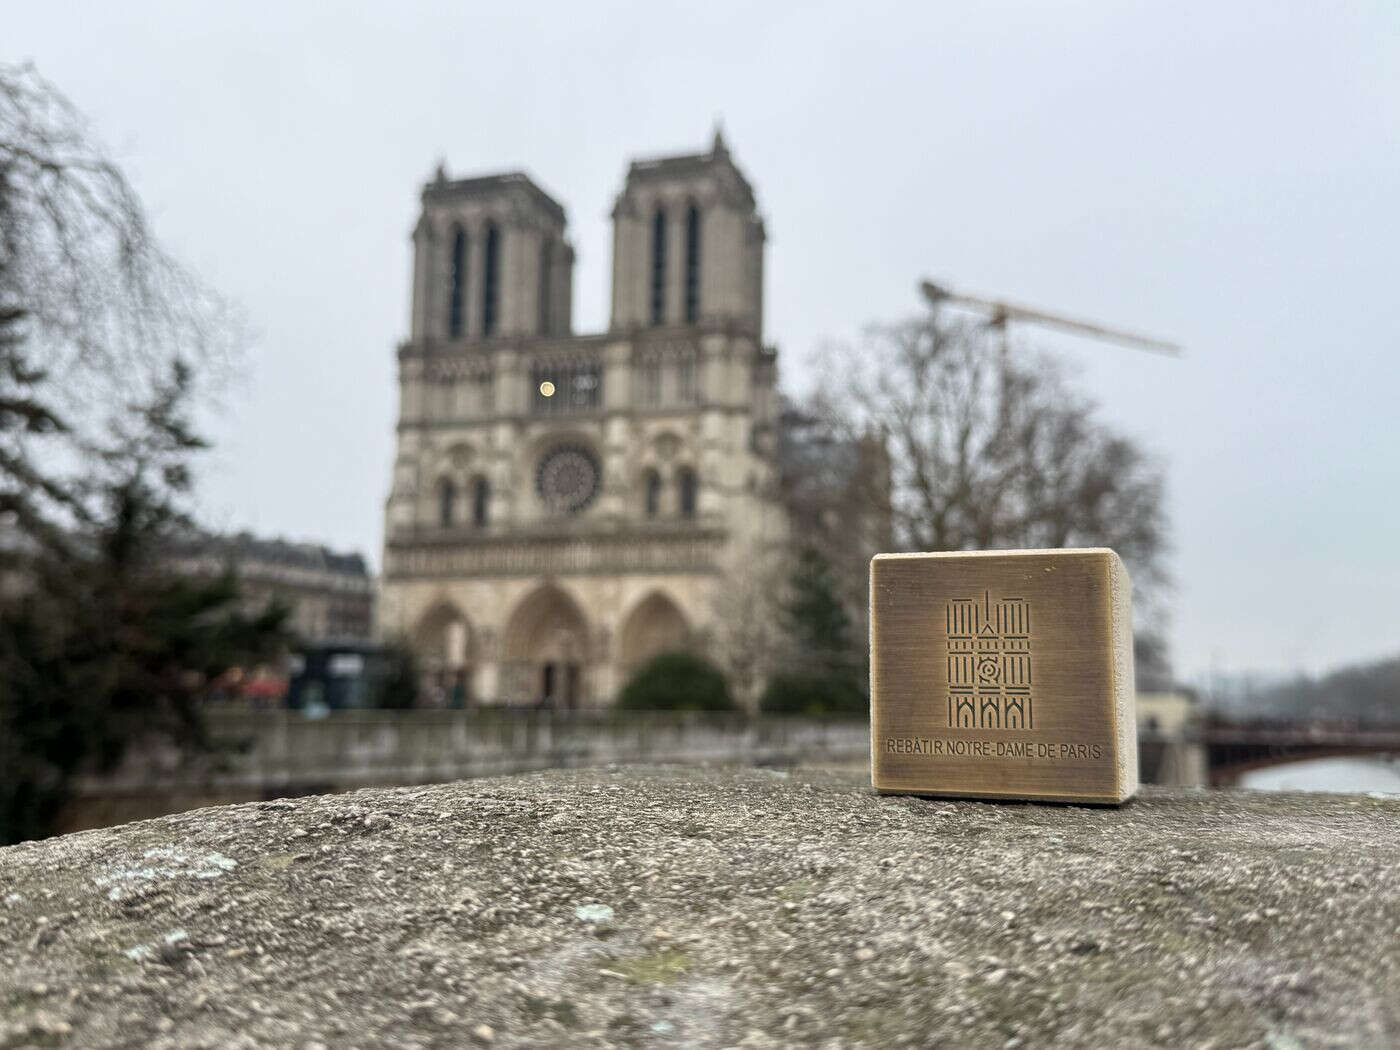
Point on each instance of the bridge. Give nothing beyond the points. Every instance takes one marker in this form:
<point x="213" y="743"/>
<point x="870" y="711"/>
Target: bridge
<point x="1232" y="751"/>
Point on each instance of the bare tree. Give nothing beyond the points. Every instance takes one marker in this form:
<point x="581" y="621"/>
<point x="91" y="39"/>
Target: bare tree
<point x="991" y="447"/>
<point x="834" y="482"/>
<point x="107" y="308"/>
<point x="102" y="339"/>
<point x="747" y="614"/>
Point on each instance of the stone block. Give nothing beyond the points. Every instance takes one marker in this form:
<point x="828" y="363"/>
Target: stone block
<point x="1003" y="674"/>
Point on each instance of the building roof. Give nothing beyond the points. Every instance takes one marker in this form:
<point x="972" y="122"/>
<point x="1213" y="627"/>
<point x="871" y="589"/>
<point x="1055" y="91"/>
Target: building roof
<point x="683" y="164"/>
<point x="244" y="547"/>
<point x="481" y="186"/>
<point x="442" y="189"/>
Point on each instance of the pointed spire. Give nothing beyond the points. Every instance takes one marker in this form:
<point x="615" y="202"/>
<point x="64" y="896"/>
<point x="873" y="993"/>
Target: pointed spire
<point x="719" y="147"/>
<point x="440" y="175"/>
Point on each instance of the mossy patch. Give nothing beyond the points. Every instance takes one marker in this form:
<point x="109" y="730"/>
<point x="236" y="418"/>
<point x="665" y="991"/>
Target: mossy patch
<point x="538" y="1007"/>
<point x="659" y="967"/>
<point x="277" y="861"/>
<point x="797" y="890"/>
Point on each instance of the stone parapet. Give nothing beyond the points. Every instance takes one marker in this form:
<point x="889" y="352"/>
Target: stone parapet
<point x="710" y="908"/>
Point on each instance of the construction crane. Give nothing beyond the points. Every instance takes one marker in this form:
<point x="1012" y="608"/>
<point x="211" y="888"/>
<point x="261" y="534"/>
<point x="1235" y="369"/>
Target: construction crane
<point x="1000" y="313"/>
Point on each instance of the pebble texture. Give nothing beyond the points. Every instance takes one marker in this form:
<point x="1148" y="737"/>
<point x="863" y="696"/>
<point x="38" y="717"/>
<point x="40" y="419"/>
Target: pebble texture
<point x="692" y="907"/>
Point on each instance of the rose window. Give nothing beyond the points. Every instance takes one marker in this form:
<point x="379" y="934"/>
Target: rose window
<point x="567" y="479"/>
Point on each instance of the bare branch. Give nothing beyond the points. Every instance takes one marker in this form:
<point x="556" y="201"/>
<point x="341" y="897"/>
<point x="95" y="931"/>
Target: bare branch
<point x="990" y="447"/>
<point x="109" y="309"/>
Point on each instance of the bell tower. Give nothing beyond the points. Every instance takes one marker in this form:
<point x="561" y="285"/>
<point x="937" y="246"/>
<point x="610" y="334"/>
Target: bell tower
<point x="688" y="245"/>
<point x="491" y="259"/>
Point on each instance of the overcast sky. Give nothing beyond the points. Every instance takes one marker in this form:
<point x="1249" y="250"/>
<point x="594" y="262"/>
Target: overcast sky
<point x="1225" y="175"/>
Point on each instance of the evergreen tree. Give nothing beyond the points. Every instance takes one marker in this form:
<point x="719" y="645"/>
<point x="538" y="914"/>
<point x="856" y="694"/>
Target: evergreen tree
<point x="29" y="496"/>
<point x="102" y="647"/>
<point x="827" y="679"/>
<point x="817" y="621"/>
<point x="676" y="682"/>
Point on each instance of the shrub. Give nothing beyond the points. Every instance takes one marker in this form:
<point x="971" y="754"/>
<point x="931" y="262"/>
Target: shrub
<point x="676" y="682"/>
<point x="814" y="696"/>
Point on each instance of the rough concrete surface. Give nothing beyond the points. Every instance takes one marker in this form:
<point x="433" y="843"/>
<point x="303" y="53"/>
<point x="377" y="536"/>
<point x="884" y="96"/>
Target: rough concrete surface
<point x="692" y="907"/>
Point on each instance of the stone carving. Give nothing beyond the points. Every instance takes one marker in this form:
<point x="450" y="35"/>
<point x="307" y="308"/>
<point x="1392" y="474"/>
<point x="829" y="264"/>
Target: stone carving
<point x="989" y="663"/>
<point x="999" y="674"/>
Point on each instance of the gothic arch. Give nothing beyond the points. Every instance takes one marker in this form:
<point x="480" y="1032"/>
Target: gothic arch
<point x="447" y="648"/>
<point x="545" y="649"/>
<point x="446" y="644"/>
<point x="443" y="636"/>
<point x="458" y="456"/>
<point x="655" y="625"/>
<point x="665" y="446"/>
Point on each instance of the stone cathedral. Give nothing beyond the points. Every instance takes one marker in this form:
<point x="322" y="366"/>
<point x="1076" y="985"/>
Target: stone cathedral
<point x="565" y="506"/>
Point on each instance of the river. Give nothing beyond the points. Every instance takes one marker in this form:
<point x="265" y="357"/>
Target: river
<point x="1380" y="775"/>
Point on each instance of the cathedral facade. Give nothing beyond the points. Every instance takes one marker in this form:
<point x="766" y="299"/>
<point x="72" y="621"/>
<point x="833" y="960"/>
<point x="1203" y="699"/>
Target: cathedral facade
<point x="563" y="506"/>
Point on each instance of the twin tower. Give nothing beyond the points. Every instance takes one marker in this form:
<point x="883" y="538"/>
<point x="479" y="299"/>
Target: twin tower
<point x="565" y="506"/>
<point x="492" y="256"/>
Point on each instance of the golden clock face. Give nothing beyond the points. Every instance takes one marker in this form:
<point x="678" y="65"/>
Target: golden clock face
<point x="567" y="479"/>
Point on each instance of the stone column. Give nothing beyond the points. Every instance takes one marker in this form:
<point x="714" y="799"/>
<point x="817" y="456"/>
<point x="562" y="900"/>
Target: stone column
<point x="410" y="391"/>
<point x="719" y="258"/>
<point x="757" y="237"/>
<point x="617" y="485"/>
<point x="630" y="275"/>
<point x="712" y="465"/>
<point x="422" y="279"/>
<point x="510" y="295"/>
<point x="486" y="688"/>
<point x="519" y="285"/>
<point x="617" y="377"/>
<point x="512" y="397"/>
<point x="711" y="371"/>
<point x="604" y="670"/>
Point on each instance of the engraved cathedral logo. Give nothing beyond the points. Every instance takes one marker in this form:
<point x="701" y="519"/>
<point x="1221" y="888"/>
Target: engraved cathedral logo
<point x="989" y="663"/>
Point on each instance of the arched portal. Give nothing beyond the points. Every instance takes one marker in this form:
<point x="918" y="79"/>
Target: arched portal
<point x="545" y="650"/>
<point x="655" y="625"/>
<point x="444" y="643"/>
